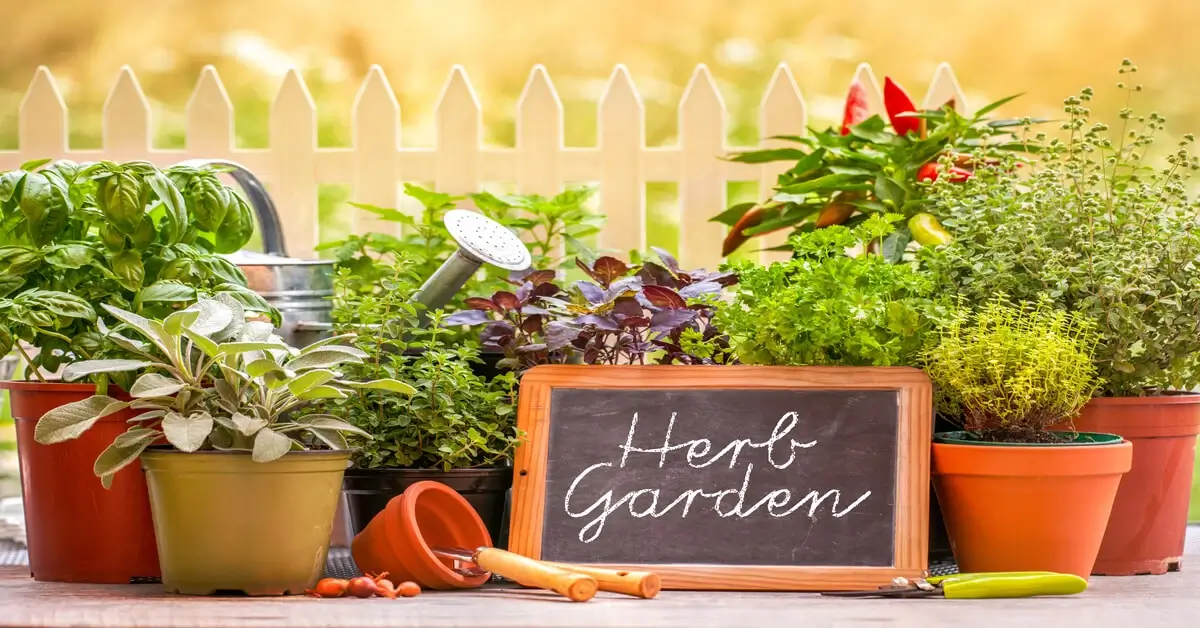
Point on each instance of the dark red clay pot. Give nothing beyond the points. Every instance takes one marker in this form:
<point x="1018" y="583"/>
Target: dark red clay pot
<point x="78" y="531"/>
<point x="428" y="514"/>
<point x="1147" y="529"/>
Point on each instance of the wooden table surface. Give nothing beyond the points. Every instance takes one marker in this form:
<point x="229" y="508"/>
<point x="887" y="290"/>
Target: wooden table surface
<point x="1145" y="601"/>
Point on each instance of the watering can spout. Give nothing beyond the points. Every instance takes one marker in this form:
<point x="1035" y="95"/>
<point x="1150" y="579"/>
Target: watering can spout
<point x="481" y="240"/>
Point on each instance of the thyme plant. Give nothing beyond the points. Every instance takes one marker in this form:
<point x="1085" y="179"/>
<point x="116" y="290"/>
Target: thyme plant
<point x="1009" y="372"/>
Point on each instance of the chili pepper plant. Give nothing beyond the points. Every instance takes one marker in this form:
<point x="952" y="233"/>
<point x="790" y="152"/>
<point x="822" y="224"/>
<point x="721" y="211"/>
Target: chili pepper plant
<point x="870" y="166"/>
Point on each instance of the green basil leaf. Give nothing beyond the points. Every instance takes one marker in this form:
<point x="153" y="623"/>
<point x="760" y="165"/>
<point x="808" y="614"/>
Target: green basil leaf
<point x="145" y="234"/>
<point x="175" y="220"/>
<point x="69" y="256"/>
<point x="120" y="198"/>
<point x="30" y="166"/>
<point x="127" y="266"/>
<point x="237" y="227"/>
<point x="46" y="206"/>
<point x="165" y="292"/>
<point x="61" y="304"/>
<point x="209" y="201"/>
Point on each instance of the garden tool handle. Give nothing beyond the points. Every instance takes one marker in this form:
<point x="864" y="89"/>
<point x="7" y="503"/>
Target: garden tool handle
<point x="1013" y="585"/>
<point x="577" y="587"/>
<point x="643" y="584"/>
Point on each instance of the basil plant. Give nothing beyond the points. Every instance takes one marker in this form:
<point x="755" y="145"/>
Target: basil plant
<point x="73" y="236"/>
<point x="211" y="380"/>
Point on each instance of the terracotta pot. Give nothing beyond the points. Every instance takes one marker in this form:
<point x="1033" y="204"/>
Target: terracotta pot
<point x="1028" y="507"/>
<point x="228" y="524"/>
<point x="1148" y="526"/>
<point x="398" y="539"/>
<point x="78" y="531"/>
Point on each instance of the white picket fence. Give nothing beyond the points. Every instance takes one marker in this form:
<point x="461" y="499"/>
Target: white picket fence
<point x="294" y="165"/>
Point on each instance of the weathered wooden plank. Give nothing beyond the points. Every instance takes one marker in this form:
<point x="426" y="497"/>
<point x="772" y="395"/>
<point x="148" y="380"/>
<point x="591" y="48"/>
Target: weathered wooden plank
<point x="783" y="112"/>
<point x="622" y="139"/>
<point x="42" y="121"/>
<point x="376" y="142"/>
<point x="702" y="193"/>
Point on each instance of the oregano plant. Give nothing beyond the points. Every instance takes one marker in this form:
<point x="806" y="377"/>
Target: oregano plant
<point x="1099" y="227"/>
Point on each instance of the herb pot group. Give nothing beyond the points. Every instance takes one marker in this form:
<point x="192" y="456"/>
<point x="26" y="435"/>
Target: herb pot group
<point x="225" y="523"/>
<point x="1037" y="507"/>
<point x="369" y="491"/>
<point x="77" y="531"/>
<point x="1148" y="526"/>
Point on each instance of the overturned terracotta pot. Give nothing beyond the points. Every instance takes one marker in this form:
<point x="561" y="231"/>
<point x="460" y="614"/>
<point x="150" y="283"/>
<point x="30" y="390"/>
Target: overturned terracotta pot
<point x="398" y="540"/>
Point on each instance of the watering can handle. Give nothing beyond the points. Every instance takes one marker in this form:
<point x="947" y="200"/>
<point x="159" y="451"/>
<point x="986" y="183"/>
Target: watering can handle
<point x="260" y="201"/>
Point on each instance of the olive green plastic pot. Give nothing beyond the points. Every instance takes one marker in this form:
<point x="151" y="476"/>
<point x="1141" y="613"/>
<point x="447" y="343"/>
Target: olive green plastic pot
<point x="227" y="524"/>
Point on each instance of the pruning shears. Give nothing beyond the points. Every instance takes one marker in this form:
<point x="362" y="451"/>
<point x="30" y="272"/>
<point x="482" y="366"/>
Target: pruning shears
<point x="977" y="586"/>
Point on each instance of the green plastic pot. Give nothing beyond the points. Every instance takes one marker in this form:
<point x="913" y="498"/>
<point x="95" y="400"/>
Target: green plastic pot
<point x="227" y="524"/>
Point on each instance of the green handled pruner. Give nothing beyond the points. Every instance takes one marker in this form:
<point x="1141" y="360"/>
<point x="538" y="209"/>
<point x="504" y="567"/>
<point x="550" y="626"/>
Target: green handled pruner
<point x="977" y="586"/>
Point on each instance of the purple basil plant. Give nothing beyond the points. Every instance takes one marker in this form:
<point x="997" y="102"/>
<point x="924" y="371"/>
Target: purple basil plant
<point x="624" y="315"/>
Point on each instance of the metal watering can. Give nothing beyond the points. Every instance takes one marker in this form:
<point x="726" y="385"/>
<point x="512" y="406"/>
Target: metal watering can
<point x="302" y="289"/>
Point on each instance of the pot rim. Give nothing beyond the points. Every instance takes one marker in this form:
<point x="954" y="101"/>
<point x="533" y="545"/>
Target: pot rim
<point x="23" y="385"/>
<point x="1170" y="398"/>
<point x="171" y="450"/>
<point x="457" y="470"/>
<point x="949" y="438"/>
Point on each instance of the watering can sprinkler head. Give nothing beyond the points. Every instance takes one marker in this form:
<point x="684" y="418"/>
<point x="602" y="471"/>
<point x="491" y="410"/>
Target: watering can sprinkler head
<point x="481" y="240"/>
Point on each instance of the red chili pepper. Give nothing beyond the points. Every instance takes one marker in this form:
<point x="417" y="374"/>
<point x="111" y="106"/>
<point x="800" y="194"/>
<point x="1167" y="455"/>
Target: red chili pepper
<point x="897" y="101"/>
<point x="856" y="109"/>
<point x="929" y="173"/>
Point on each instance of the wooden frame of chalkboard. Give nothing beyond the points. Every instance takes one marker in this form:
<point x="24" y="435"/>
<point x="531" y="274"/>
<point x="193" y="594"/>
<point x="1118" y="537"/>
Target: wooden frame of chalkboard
<point x="751" y="559"/>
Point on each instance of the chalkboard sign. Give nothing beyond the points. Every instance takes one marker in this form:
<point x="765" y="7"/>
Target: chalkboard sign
<point x="744" y="477"/>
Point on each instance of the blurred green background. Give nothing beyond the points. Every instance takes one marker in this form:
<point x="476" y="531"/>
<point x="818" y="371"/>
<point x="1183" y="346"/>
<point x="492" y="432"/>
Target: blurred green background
<point x="1046" y="49"/>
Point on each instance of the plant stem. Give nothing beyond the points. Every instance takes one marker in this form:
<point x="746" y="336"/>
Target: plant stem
<point x="36" y="371"/>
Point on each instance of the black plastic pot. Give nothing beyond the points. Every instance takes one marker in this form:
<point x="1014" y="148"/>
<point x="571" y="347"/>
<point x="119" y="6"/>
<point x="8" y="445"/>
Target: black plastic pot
<point x="940" y="550"/>
<point x="368" y="491"/>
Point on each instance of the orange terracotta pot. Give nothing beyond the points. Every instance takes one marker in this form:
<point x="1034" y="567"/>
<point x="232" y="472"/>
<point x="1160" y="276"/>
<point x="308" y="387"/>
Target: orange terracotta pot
<point x="1027" y="507"/>
<point x="77" y="530"/>
<point x="1148" y="526"/>
<point x="398" y="540"/>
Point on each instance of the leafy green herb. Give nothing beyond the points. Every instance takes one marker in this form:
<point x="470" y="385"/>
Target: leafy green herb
<point x="211" y="380"/>
<point x="1009" y="372"/>
<point x="121" y="234"/>
<point x="824" y="307"/>
<point x="1101" y="231"/>
<point x="552" y="227"/>
<point x="453" y="419"/>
